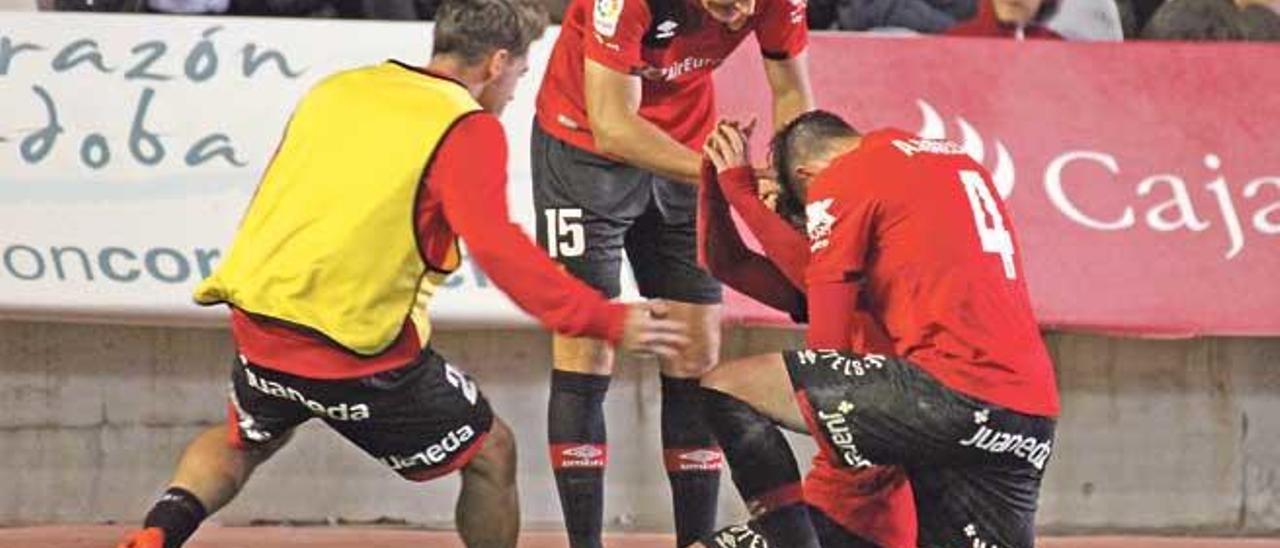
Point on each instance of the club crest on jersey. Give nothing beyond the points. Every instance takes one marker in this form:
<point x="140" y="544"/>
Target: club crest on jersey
<point x="819" y="223"/>
<point x="605" y="16"/>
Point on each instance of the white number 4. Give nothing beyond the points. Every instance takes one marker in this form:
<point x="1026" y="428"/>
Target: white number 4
<point x="991" y="231"/>
<point x="566" y="237"/>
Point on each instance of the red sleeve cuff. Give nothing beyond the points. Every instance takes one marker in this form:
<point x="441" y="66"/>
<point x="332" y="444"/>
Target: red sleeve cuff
<point x="612" y="318"/>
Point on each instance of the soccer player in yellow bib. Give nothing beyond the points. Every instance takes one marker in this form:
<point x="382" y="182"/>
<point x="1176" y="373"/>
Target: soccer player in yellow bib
<point x="351" y="232"/>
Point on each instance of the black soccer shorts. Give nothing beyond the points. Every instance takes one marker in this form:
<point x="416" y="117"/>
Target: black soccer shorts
<point x="975" y="468"/>
<point x="590" y="209"/>
<point x="423" y="420"/>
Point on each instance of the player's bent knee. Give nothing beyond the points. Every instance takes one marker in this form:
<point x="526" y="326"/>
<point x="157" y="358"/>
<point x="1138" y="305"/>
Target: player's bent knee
<point x="689" y="367"/>
<point x="726" y="377"/>
<point x="582" y="355"/>
<point x="756" y="379"/>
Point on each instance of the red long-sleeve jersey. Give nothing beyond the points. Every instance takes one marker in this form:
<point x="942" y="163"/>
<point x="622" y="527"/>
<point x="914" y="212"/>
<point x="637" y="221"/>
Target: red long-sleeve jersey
<point x="462" y="195"/>
<point x="775" y="278"/>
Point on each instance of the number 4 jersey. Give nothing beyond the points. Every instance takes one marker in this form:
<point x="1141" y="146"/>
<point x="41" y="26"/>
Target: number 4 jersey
<point x="920" y="227"/>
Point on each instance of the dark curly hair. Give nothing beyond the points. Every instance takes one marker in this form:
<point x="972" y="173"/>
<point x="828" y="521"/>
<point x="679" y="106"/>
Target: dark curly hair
<point x="806" y="136"/>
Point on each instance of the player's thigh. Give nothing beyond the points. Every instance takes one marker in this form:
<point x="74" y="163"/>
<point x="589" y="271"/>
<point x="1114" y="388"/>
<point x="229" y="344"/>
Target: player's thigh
<point x="422" y="421"/>
<point x="962" y="507"/>
<point x="870" y="409"/>
<point x="763" y="383"/>
<point x="495" y="461"/>
<point x="986" y="492"/>
<point x="662" y="247"/>
<point x="584" y="205"/>
<point x="261" y="415"/>
<point x="703" y="322"/>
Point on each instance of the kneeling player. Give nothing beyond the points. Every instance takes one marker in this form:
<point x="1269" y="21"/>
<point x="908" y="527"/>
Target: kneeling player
<point x="850" y="508"/>
<point x="911" y="232"/>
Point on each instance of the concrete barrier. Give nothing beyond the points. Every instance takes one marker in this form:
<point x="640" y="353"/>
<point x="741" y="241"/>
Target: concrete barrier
<point x="1156" y="435"/>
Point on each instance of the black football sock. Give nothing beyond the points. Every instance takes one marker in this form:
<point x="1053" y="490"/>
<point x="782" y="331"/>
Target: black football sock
<point x="579" y="451"/>
<point x="693" y="460"/>
<point x="178" y="513"/>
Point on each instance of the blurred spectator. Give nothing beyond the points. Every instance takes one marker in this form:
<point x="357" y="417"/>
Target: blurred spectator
<point x="1093" y="20"/>
<point x="1260" y="19"/>
<point x="351" y="9"/>
<point x="190" y="7"/>
<point x="408" y="10"/>
<point x="93" y="5"/>
<point x="1018" y="19"/>
<point x="1257" y="20"/>
<point x="1135" y="14"/>
<point x="928" y="16"/>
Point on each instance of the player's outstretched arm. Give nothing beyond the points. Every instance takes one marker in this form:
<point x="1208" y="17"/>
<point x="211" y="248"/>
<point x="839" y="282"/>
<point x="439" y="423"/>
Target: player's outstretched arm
<point x="613" y="106"/>
<point x="474" y="195"/>
<point x="723" y="253"/>
<point x="647" y="330"/>
<point x="785" y="247"/>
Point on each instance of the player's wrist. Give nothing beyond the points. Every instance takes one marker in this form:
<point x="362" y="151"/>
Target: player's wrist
<point x="738" y="179"/>
<point x="613" y="318"/>
<point x="737" y="174"/>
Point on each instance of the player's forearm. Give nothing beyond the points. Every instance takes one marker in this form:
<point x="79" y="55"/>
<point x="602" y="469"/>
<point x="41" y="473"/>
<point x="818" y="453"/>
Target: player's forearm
<point x="791" y="88"/>
<point x="723" y="253"/>
<point x="538" y="287"/>
<point x="474" y="198"/>
<point x="638" y="142"/>
<point x="785" y="246"/>
<point x="790" y="103"/>
<point x="719" y="244"/>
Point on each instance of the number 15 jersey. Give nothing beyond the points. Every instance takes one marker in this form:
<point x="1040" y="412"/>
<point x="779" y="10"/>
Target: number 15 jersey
<point x="920" y="227"/>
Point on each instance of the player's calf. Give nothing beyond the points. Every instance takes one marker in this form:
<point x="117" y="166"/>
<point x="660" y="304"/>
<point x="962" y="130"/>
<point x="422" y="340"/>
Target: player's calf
<point x="211" y="472"/>
<point x="692" y="457"/>
<point x="488" y="509"/>
<point x="764" y="470"/>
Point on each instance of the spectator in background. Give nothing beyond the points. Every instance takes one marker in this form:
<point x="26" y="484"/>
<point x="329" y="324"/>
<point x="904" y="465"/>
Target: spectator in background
<point x="1260" y="19"/>
<point x="1201" y="20"/>
<point x="347" y="9"/>
<point x="411" y="10"/>
<point x="1215" y="20"/>
<point x="926" y="16"/>
<point x="189" y="7"/>
<point x="1134" y="15"/>
<point x="1018" y="19"/>
<point x="92" y="5"/>
<point x="1196" y="19"/>
<point x="1088" y="20"/>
